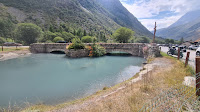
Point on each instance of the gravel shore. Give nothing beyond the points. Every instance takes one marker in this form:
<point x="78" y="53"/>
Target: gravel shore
<point x="13" y="54"/>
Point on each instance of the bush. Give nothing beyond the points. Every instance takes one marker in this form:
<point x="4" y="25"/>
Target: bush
<point x="76" y="44"/>
<point x="9" y="40"/>
<point x="96" y="50"/>
<point x="48" y="41"/>
<point x="67" y="36"/>
<point x="142" y="40"/>
<point x="56" y="39"/>
<point x="87" y="39"/>
<point x="47" y="36"/>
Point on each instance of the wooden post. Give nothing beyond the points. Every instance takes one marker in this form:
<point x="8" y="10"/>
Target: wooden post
<point x="187" y="59"/>
<point x="179" y="50"/>
<point x="2" y="47"/>
<point x="154" y="33"/>
<point x="197" y="79"/>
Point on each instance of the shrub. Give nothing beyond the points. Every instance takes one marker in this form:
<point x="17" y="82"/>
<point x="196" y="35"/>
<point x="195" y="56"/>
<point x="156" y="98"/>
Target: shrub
<point x="67" y="36"/>
<point x="48" y="41"/>
<point x="76" y="44"/>
<point x="87" y="39"/>
<point x="96" y="50"/>
<point x="142" y="40"/>
<point x="47" y="36"/>
<point x="56" y="39"/>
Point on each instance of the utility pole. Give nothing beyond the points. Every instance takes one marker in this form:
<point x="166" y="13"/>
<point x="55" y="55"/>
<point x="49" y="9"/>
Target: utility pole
<point x="154" y="33"/>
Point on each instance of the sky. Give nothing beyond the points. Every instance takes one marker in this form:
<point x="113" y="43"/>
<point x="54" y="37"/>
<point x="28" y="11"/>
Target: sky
<point x="164" y="12"/>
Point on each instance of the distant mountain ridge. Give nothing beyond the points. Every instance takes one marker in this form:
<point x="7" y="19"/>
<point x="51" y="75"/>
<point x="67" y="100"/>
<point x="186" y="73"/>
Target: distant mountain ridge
<point x="188" y="17"/>
<point x="187" y="27"/>
<point x="91" y="15"/>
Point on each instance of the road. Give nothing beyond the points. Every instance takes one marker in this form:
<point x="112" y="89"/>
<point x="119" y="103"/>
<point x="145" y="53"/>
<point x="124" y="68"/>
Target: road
<point x="15" y="46"/>
<point x="191" y="59"/>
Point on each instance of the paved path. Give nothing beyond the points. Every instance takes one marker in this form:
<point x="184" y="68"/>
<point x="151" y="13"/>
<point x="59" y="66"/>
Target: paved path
<point x="191" y="59"/>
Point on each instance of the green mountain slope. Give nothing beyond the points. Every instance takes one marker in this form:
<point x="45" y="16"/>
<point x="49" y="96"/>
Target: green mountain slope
<point x="91" y="15"/>
<point x="123" y="17"/>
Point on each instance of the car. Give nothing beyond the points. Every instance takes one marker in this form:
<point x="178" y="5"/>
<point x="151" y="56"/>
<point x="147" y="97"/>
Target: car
<point x="11" y="44"/>
<point x="182" y="48"/>
<point x="193" y="47"/>
<point x="198" y="52"/>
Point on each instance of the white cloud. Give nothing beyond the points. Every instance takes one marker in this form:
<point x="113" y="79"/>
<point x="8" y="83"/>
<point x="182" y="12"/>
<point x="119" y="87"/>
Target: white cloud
<point x="145" y="10"/>
<point x="161" y="23"/>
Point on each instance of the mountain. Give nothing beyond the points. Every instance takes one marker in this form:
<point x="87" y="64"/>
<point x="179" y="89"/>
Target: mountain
<point x="187" y="27"/>
<point x="123" y="17"/>
<point x="91" y="15"/>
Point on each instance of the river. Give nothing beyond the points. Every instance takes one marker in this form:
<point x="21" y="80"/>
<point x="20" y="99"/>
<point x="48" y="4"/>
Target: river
<point x="54" y="78"/>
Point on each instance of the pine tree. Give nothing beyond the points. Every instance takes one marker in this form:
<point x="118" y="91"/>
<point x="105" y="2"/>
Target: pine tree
<point x="85" y="33"/>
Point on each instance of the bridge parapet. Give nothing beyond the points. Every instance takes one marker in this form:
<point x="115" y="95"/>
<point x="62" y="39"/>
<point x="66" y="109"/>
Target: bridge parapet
<point x="136" y="49"/>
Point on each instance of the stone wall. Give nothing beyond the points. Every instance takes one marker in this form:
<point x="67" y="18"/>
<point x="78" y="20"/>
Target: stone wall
<point x="77" y="53"/>
<point x="152" y="51"/>
<point x="47" y="48"/>
<point x="135" y="49"/>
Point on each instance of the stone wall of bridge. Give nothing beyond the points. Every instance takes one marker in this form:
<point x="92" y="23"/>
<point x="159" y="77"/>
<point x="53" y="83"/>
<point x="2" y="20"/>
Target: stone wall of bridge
<point x="47" y="48"/>
<point x="136" y="49"/>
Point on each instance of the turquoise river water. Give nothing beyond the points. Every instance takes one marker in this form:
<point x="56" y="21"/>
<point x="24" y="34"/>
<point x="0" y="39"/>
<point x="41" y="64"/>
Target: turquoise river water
<point x="54" y="78"/>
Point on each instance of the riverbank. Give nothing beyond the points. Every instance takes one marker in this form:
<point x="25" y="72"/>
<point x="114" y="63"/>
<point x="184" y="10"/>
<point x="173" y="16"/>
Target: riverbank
<point x="159" y="75"/>
<point x="11" y="53"/>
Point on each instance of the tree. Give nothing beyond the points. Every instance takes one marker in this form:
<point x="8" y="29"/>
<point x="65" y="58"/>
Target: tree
<point x="159" y="41"/>
<point x="123" y="34"/>
<point x="87" y="39"/>
<point x="2" y="40"/>
<point x="181" y="40"/>
<point x="171" y="41"/>
<point x="85" y="33"/>
<point x="76" y="44"/>
<point x="6" y="28"/>
<point x="56" y="39"/>
<point x="28" y="33"/>
<point x="167" y="41"/>
<point x="47" y="36"/>
<point x="79" y="32"/>
<point x="142" y="40"/>
<point x="67" y="36"/>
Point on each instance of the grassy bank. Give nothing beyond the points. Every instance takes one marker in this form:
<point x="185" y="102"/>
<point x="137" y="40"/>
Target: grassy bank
<point x="12" y="49"/>
<point x="133" y="96"/>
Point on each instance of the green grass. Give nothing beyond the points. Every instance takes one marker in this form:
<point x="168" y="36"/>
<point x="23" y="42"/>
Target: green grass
<point x="167" y="56"/>
<point x="189" y="69"/>
<point x="12" y="49"/>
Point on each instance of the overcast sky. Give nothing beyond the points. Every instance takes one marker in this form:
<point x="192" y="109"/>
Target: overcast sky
<point x="164" y="12"/>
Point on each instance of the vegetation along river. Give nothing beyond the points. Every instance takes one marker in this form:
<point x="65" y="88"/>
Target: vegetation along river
<point x="54" y="78"/>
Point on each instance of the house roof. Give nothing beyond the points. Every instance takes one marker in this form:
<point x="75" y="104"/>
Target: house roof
<point x="198" y="40"/>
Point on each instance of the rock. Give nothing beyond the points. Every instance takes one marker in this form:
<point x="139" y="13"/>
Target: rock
<point x="189" y="81"/>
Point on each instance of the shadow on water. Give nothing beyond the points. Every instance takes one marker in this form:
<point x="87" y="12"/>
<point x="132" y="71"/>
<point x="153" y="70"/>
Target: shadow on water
<point x="118" y="54"/>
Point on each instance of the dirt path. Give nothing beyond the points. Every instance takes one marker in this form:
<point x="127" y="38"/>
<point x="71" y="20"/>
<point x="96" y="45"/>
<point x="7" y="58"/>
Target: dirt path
<point x="128" y="96"/>
<point x="13" y="54"/>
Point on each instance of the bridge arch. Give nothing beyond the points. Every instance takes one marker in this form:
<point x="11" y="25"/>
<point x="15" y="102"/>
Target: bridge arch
<point x="59" y="51"/>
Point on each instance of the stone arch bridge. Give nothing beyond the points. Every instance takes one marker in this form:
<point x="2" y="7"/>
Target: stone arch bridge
<point x="135" y="49"/>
